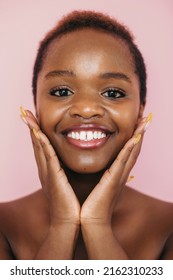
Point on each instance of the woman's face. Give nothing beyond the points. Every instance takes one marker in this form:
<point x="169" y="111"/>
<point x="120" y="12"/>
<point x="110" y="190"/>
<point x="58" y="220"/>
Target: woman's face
<point x="88" y="101"/>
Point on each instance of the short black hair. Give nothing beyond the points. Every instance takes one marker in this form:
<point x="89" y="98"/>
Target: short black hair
<point x="90" y="19"/>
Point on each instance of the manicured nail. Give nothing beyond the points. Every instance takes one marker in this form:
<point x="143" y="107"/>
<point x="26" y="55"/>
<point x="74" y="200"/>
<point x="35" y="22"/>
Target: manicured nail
<point x="23" y="119"/>
<point x="148" y="121"/>
<point x="23" y="112"/>
<point x="130" y="178"/>
<point x="35" y="133"/>
<point x="137" y="139"/>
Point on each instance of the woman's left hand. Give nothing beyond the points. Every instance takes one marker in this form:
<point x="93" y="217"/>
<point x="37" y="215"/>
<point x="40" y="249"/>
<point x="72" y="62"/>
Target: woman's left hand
<point x="99" y="205"/>
<point x="97" y="210"/>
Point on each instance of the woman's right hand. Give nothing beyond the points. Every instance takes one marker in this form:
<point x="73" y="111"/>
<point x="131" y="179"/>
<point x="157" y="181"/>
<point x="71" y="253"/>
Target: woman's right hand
<point x="63" y="203"/>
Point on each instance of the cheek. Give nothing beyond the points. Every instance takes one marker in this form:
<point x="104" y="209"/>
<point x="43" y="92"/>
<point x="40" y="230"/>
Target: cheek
<point x="48" y="116"/>
<point x="126" y="118"/>
<point x="128" y="121"/>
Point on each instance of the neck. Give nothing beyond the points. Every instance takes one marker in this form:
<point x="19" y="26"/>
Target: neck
<point x="83" y="184"/>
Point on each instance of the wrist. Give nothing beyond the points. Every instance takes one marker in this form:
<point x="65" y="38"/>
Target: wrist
<point x="69" y="223"/>
<point x="66" y="229"/>
<point x="64" y="219"/>
<point x="88" y="221"/>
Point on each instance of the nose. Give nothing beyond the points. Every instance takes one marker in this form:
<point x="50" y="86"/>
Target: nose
<point x="87" y="107"/>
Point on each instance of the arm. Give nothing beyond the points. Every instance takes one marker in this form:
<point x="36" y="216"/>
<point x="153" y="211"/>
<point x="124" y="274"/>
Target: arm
<point x="59" y="243"/>
<point x="64" y="207"/>
<point x="101" y="243"/>
<point x="97" y="211"/>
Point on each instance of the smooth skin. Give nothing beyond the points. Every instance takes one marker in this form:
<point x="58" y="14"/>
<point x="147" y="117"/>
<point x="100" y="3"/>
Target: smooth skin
<point x="84" y="209"/>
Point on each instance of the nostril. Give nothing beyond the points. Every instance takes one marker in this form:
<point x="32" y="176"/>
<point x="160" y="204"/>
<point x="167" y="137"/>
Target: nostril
<point x="87" y="111"/>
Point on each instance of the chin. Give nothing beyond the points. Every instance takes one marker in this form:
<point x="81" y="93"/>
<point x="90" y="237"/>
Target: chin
<point x="86" y="168"/>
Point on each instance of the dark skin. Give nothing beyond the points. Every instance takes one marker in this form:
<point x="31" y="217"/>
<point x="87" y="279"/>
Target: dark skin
<point x="84" y="209"/>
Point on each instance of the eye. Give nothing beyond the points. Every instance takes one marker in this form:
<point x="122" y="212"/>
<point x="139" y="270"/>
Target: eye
<point x="114" y="93"/>
<point x="61" y="91"/>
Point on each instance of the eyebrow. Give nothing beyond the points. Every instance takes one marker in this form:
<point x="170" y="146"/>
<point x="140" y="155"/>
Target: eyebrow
<point x="107" y="75"/>
<point x="115" y="75"/>
<point x="60" y="73"/>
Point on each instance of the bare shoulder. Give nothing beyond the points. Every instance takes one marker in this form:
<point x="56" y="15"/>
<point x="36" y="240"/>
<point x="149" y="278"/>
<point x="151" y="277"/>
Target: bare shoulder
<point x="147" y="199"/>
<point x="20" y="220"/>
<point x="157" y="215"/>
<point x="152" y="207"/>
<point x="23" y="207"/>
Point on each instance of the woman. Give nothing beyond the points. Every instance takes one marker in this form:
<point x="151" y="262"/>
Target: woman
<point x="89" y="86"/>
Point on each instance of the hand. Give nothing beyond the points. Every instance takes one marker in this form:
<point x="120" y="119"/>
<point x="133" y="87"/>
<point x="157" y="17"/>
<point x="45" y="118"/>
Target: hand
<point x="98" y="207"/>
<point x="63" y="203"/>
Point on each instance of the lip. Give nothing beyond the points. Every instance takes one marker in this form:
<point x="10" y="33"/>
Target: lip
<point x="92" y="144"/>
<point x="87" y="127"/>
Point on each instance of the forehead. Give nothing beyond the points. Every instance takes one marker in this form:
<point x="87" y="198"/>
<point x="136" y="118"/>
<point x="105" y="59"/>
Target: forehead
<point x="88" y="47"/>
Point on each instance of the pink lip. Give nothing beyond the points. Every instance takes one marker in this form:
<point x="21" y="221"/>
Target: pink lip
<point x="87" y="127"/>
<point x="92" y="144"/>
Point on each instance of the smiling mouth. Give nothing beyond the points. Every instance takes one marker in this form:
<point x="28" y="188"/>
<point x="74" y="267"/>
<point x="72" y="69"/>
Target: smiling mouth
<point x="87" y="139"/>
<point x="86" y="135"/>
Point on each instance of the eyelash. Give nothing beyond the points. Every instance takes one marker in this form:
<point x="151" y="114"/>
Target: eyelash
<point x="66" y="90"/>
<point x="115" y="92"/>
<point x="60" y="89"/>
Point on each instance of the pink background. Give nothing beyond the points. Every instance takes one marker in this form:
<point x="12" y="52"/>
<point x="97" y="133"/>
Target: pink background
<point x="22" y="25"/>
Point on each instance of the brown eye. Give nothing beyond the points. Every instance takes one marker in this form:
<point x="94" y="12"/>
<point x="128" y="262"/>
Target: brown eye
<point x="113" y="93"/>
<point x="60" y="92"/>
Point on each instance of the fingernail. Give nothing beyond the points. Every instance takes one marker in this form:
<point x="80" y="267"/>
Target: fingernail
<point x="148" y="121"/>
<point x="24" y="120"/>
<point x="130" y="178"/>
<point x="23" y="112"/>
<point x="35" y="133"/>
<point x="137" y="139"/>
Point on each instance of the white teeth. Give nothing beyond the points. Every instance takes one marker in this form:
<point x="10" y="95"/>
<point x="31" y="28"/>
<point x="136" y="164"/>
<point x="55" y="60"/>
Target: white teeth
<point x="82" y="135"/>
<point x="77" y="135"/>
<point x="99" y="134"/>
<point x="73" y="134"/>
<point x="95" y="135"/>
<point x="90" y="135"/>
<point x="86" y="135"/>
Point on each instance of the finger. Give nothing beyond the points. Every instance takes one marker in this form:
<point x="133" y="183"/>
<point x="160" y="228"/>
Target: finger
<point x="46" y="158"/>
<point x="133" y="145"/>
<point x="49" y="152"/>
<point x="39" y="156"/>
<point x="49" y="169"/>
<point x="27" y="116"/>
<point x="113" y="175"/>
<point x="32" y="122"/>
<point x="48" y="149"/>
<point x="30" y="115"/>
<point x="118" y="171"/>
<point x="131" y="161"/>
<point x="52" y="162"/>
<point x="137" y="148"/>
<point x="130" y="178"/>
<point x="41" y="139"/>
